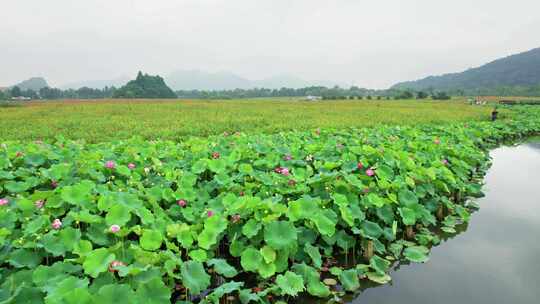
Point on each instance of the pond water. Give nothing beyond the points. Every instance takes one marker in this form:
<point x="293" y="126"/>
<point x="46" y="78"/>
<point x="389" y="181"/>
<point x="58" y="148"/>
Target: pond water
<point x="497" y="258"/>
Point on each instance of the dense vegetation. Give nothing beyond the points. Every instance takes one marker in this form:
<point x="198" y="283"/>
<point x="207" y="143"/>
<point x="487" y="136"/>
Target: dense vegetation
<point x="258" y="217"/>
<point x="145" y="86"/>
<point x="119" y="119"/>
<point x="516" y="75"/>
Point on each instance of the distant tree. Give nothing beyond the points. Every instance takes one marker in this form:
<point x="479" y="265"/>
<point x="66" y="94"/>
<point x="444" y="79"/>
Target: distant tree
<point x="368" y="97"/>
<point x="421" y="95"/>
<point x="3" y="95"/>
<point x="16" y="91"/>
<point x="441" y="96"/>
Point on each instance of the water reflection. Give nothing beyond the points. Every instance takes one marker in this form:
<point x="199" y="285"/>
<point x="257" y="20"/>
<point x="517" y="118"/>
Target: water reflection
<point x="497" y="259"/>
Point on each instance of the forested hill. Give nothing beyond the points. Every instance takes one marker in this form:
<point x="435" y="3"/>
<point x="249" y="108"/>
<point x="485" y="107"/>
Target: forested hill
<point x="521" y="70"/>
<point x="145" y="86"/>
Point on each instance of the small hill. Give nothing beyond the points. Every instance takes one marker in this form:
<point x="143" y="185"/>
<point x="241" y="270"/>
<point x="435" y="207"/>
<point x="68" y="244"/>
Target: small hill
<point x="34" y="84"/>
<point x="145" y="86"/>
<point x="517" y="70"/>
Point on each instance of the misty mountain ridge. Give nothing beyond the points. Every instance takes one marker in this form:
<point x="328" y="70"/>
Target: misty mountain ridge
<point x="521" y="69"/>
<point x="202" y="80"/>
<point x="34" y="84"/>
<point x="97" y="84"/>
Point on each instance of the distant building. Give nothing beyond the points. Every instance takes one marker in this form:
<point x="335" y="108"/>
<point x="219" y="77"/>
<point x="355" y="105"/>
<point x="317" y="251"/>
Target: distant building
<point x="313" y="98"/>
<point x="4" y="89"/>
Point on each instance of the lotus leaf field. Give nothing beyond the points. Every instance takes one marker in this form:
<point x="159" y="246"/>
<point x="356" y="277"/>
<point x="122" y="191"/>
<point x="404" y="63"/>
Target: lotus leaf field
<point x="239" y="218"/>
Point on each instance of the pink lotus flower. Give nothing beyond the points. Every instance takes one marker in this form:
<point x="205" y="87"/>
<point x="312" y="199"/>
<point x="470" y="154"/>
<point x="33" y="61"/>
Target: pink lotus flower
<point x="131" y="166"/>
<point x="370" y="172"/>
<point x="215" y="155"/>
<point x="284" y="171"/>
<point x="242" y="193"/>
<point x="182" y="203"/>
<point x="110" y="164"/>
<point x="366" y="190"/>
<point x="210" y="213"/>
<point x="437" y="141"/>
<point x="292" y="182"/>
<point x="54" y="184"/>
<point x="39" y="204"/>
<point x="114" y="228"/>
<point x="360" y="165"/>
<point x="287" y="157"/>
<point x="278" y="170"/>
<point x="445" y="162"/>
<point x="19" y="154"/>
<point x="225" y="133"/>
<point x="114" y="264"/>
<point x="3" y="201"/>
<point x="56" y="224"/>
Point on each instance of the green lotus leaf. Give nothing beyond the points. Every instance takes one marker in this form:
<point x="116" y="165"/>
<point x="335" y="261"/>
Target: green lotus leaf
<point x="375" y="200"/>
<point x="78" y="194"/>
<point x="290" y="283"/>
<point x="217" y="165"/>
<point x="222" y="267"/>
<point x="266" y="270"/>
<point x="408" y="216"/>
<point x="418" y="254"/>
<point x="153" y="292"/>
<point x="314" y="254"/>
<point x="407" y="198"/>
<point x="118" y="215"/>
<point x="280" y="234"/>
<point x="251" y="228"/>
<point x="16" y="187"/>
<point x="52" y="244"/>
<point x="378" y="278"/>
<point x="77" y="296"/>
<point x="251" y="259"/>
<point x="349" y="280"/>
<point x="114" y="294"/>
<point x="198" y="255"/>
<point x="379" y="264"/>
<point x="194" y="277"/>
<point x="97" y="261"/>
<point x="268" y="254"/>
<point x="213" y="227"/>
<point x="245" y="169"/>
<point x="325" y="221"/>
<point x="303" y="208"/>
<point x="69" y="237"/>
<point x="224" y="289"/>
<point x="371" y="230"/>
<point x="20" y="258"/>
<point x="47" y="277"/>
<point x="82" y="248"/>
<point x="64" y="288"/>
<point x="151" y="240"/>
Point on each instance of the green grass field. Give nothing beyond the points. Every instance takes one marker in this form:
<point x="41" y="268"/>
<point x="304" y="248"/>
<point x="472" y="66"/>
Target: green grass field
<point x="102" y="120"/>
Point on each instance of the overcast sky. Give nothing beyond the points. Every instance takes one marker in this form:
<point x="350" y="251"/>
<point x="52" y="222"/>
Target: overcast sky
<point x="368" y="43"/>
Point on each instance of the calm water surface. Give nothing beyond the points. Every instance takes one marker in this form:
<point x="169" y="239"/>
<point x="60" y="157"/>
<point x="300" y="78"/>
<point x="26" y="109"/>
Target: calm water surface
<point x="497" y="258"/>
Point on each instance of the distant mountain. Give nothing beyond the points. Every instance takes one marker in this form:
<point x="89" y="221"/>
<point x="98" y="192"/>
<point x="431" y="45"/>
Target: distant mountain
<point x="34" y="84"/>
<point x="97" y="84"/>
<point x="200" y="80"/>
<point x="145" y="86"/>
<point x="517" y="70"/>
